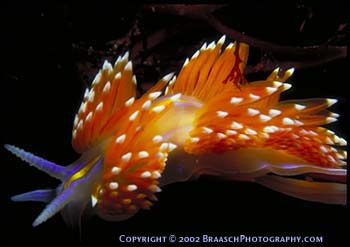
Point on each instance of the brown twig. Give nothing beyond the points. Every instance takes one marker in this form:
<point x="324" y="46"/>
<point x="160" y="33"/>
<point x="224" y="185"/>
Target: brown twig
<point x="311" y="55"/>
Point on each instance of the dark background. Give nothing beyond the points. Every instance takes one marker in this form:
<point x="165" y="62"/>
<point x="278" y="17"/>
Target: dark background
<point x="49" y="52"/>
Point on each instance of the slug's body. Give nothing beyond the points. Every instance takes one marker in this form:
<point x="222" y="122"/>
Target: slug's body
<point x="205" y="121"/>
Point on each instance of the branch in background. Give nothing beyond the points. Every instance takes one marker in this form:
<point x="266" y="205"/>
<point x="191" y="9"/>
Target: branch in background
<point x="141" y="45"/>
<point x="311" y="55"/>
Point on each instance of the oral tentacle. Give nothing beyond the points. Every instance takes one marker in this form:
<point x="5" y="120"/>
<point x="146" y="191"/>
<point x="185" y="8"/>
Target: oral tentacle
<point x="36" y="195"/>
<point x="52" y="169"/>
<point x="55" y="206"/>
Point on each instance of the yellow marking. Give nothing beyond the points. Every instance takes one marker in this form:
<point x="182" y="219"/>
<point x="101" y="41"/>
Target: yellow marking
<point x="82" y="172"/>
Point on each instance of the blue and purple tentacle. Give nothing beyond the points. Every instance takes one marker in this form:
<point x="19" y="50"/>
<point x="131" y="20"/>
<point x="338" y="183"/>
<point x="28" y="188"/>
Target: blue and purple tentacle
<point x="77" y="192"/>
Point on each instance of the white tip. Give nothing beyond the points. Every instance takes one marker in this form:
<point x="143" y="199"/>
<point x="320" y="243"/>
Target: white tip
<point x="93" y="201"/>
<point x="86" y="93"/>
<point x="156" y="174"/>
<point x="158" y="109"/>
<point x="117" y="61"/>
<point x="243" y="137"/>
<point x="236" y="125"/>
<point x="235" y="100"/>
<point x="146" y="105"/>
<point x="286" y="86"/>
<point x="154" y="95"/>
<point x="276" y="71"/>
<point x="230" y="46"/>
<point x="76" y="120"/>
<point x="195" y="55"/>
<point x="80" y="124"/>
<point x="288" y="121"/>
<point x="253" y="96"/>
<point x="172" y="146"/>
<point x="264" y="118"/>
<point x="341" y="157"/>
<point x="157" y="139"/>
<point x="331" y="132"/>
<point x="107" y="66"/>
<point x="97" y="78"/>
<point x="313" y="133"/>
<point x="290" y="71"/>
<point x="118" y="76"/>
<point x="91" y="95"/>
<point x="133" y="80"/>
<point x="116" y="170"/>
<point x="271" y="90"/>
<point x="133" y="116"/>
<point x="168" y="77"/>
<point x="330" y="119"/>
<point x="331" y="102"/>
<point x="194" y="139"/>
<point x="113" y="185"/>
<point x="222" y="40"/>
<point x="186" y="62"/>
<point x="143" y="154"/>
<point x="342" y="142"/>
<point x="204" y="46"/>
<point x="253" y="112"/>
<point x="120" y="139"/>
<point x="130" y="101"/>
<point x="128" y="66"/>
<point x="176" y="97"/>
<point x="88" y="117"/>
<point x="331" y="158"/>
<point x="125" y="57"/>
<point x="146" y="174"/>
<point x="221" y="114"/>
<point x="131" y="187"/>
<point x="171" y="82"/>
<point x="154" y="188"/>
<point x="164" y="147"/>
<point x="107" y="87"/>
<point x="166" y="91"/>
<point x="299" y="107"/>
<point x="277" y="84"/>
<point x="221" y="135"/>
<point x="207" y="130"/>
<point x="230" y="132"/>
<point x="271" y="129"/>
<point x="99" y="107"/>
<point x="249" y="131"/>
<point x="126" y="157"/>
<point x="211" y="46"/>
<point x="274" y="112"/>
<point x="329" y="141"/>
<point x="333" y="114"/>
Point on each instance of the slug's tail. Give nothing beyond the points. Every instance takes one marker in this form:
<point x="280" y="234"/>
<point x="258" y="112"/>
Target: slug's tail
<point x="325" y="192"/>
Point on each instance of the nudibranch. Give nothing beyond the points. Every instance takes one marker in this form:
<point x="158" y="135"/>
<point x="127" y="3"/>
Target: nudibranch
<point x="207" y="120"/>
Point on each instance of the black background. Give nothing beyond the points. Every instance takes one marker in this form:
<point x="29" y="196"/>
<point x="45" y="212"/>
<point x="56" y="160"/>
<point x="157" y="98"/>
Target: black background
<point x="41" y="89"/>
